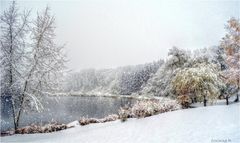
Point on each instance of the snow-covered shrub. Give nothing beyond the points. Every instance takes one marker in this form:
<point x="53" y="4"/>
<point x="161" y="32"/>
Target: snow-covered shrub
<point x="184" y="100"/>
<point x="145" y="108"/>
<point x="54" y="127"/>
<point x="85" y="121"/>
<point x="109" y="118"/>
<point x="41" y="129"/>
<point x="124" y="113"/>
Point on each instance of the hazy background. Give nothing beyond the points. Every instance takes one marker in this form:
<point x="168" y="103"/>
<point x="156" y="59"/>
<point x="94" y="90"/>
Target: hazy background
<point x="111" y="33"/>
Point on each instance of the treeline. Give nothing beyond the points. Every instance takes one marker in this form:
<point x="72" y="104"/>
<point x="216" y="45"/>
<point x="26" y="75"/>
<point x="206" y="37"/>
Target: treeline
<point x="122" y="80"/>
<point x="196" y="76"/>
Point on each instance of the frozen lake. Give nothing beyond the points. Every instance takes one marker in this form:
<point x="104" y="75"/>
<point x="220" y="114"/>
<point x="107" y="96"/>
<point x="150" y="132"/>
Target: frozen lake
<point x="64" y="109"/>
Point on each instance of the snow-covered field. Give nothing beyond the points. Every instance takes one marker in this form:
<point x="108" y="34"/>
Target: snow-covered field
<point x="214" y="124"/>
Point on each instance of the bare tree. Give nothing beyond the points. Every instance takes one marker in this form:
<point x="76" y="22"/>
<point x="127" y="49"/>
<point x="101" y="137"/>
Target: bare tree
<point x="14" y="28"/>
<point x="46" y="64"/>
<point x="28" y="70"/>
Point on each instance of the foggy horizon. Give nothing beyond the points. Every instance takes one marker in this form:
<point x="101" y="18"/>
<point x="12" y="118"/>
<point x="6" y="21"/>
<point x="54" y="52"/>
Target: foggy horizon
<point x="112" y="34"/>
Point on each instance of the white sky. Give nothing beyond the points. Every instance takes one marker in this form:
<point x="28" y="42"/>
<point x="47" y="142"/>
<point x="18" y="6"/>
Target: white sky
<point x="111" y="33"/>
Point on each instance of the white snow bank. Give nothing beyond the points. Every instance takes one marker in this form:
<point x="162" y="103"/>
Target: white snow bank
<point x="199" y="125"/>
<point x="73" y="124"/>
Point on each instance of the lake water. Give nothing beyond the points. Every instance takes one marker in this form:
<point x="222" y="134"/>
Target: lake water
<point x="64" y="109"/>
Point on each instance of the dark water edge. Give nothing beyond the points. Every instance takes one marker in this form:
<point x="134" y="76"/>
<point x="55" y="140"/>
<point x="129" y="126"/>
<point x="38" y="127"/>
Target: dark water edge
<point x="64" y="109"/>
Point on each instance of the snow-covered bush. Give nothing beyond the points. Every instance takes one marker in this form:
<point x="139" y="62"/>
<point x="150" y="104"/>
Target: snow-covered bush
<point x="184" y="100"/>
<point x="41" y="129"/>
<point x="145" y="108"/>
<point x="109" y="118"/>
<point x="85" y="121"/>
<point x="124" y="113"/>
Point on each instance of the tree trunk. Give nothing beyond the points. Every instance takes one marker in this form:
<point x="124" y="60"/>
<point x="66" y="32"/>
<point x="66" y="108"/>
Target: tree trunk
<point x="227" y="100"/>
<point x="21" y="104"/>
<point x="192" y="100"/>
<point x="13" y="113"/>
<point x="237" y="98"/>
<point x="205" y="101"/>
<point x="12" y="93"/>
<point x="23" y="95"/>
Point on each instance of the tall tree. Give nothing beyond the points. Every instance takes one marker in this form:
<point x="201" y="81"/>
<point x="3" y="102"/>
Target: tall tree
<point x="14" y="28"/>
<point x="231" y="44"/>
<point x="46" y="64"/>
<point x="31" y="62"/>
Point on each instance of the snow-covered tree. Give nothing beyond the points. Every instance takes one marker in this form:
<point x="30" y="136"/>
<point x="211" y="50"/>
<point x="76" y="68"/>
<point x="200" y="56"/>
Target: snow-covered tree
<point x="133" y="78"/>
<point x="13" y="52"/>
<point x="46" y="63"/>
<point x="214" y="54"/>
<point x="231" y="44"/>
<point x="31" y="63"/>
<point x="200" y="82"/>
<point x="177" y="58"/>
<point x="160" y="83"/>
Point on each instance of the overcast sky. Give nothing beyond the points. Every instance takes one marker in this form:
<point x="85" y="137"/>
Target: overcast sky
<point x="111" y="33"/>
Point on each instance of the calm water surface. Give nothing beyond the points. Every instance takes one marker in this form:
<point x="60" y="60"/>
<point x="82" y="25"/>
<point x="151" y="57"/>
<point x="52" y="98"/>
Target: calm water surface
<point x="64" y="109"/>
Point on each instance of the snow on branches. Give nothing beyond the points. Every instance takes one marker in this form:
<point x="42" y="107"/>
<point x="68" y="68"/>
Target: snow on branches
<point x="201" y="82"/>
<point x="231" y="44"/>
<point x="31" y="62"/>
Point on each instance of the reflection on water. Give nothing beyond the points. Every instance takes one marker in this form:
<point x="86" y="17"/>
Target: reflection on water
<point x="64" y="109"/>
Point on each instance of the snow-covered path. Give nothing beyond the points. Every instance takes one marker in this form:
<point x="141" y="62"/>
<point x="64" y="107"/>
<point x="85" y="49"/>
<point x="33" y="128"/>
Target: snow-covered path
<point x="200" y="125"/>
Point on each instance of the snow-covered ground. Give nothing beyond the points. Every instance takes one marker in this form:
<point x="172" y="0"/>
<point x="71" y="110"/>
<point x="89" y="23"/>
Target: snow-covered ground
<point x="214" y="124"/>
